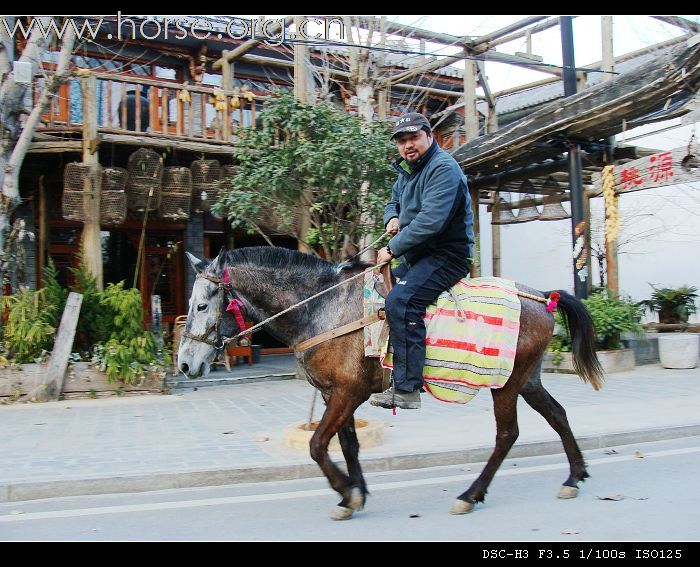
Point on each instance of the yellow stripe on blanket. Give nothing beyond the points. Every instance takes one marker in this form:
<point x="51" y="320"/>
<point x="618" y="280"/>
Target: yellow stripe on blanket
<point x="471" y="338"/>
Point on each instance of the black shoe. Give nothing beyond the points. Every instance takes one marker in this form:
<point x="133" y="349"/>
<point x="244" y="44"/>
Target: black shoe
<point x="399" y="399"/>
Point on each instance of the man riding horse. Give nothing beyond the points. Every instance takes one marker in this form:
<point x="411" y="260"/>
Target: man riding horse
<point x="430" y="219"/>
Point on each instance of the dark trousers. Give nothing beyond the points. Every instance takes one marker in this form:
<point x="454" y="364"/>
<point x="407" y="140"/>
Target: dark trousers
<point x="417" y="287"/>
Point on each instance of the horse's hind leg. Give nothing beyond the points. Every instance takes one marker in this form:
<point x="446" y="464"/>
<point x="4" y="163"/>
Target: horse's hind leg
<point x="542" y="402"/>
<point x="505" y="406"/>
<point x="358" y="492"/>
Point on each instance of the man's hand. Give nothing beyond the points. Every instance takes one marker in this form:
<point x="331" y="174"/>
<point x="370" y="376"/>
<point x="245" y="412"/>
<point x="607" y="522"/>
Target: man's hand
<point x="392" y="227"/>
<point x="383" y="256"/>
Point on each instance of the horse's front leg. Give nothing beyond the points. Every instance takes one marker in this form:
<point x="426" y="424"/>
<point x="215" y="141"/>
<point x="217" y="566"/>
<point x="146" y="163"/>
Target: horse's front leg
<point x="339" y="411"/>
<point x="351" y="451"/>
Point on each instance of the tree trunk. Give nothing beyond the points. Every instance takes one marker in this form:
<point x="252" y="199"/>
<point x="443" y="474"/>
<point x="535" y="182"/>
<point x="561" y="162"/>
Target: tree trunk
<point x="17" y="138"/>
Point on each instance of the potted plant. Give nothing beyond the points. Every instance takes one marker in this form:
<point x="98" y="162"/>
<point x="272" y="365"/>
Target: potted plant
<point x="612" y="317"/>
<point x="677" y="348"/>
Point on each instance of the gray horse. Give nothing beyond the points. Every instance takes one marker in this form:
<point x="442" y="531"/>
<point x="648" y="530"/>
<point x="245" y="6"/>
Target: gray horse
<point x="268" y="280"/>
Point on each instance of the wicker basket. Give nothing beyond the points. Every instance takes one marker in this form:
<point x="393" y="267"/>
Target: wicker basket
<point x="176" y="194"/>
<point x="206" y="180"/>
<point x="77" y="178"/>
<point x="113" y="197"/>
<point x="145" y="174"/>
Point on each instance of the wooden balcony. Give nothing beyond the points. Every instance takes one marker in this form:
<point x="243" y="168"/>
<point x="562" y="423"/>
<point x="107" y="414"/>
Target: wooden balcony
<point x="147" y="112"/>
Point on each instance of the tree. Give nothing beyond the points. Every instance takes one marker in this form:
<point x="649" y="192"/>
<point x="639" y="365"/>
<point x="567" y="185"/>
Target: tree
<point x="16" y="134"/>
<point x="312" y="156"/>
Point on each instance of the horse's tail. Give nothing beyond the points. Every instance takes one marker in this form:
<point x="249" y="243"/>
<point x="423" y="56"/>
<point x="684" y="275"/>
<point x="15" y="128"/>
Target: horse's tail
<point x="579" y="324"/>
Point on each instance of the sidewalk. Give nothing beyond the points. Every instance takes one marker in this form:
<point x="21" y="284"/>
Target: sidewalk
<point x="234" y="433"/>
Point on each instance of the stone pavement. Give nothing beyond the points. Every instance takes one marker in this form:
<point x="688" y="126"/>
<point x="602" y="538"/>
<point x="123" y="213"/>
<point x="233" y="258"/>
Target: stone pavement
<point x="229" y="434"/>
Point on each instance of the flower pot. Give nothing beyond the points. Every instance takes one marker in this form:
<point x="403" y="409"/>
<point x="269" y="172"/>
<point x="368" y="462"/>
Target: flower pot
<point x="679" y="350"/>
<point x="611" y="360"/>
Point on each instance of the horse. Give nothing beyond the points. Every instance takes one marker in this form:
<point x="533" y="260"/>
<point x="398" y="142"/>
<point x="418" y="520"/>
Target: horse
<point x="268" y="280"/>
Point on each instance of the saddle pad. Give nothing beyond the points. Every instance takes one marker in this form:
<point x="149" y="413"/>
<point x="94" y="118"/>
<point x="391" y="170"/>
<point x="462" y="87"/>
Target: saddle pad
<point x="471" y="339"/>
<point x="372" y="302"/>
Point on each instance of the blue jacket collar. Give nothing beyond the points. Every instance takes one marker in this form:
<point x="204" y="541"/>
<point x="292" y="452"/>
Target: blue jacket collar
<point x="403" y="167"/>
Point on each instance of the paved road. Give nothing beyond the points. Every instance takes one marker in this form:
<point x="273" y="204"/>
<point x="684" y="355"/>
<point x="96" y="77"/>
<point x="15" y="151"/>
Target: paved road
<point x="653" y="487"/>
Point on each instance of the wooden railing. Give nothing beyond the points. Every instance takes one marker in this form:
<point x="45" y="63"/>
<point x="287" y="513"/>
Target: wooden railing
<point x="130" y="105"/>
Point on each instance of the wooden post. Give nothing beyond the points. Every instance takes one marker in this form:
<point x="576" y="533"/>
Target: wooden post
<point x="384" y="89"/>
<point x="492" y="126"/>
<point x="52" y="385"/>
<point x="495" y="244"/>
<point x="587" y="218"/>
<point x="301" y="93"/>
<point x="471" y="116"/>
<point x="611" y="265"/>
<point x="92" y="243"/>
<point x="476" y="264"/>
<point x="301" y="76"/>
<point x="137" y="108"/>
<point x="180" y="114"/>
<point x="156" y="316"/>
<point x="227" y="86"/>
<point x="123" y="113"/>
<point x="43" y="231"/>
<point x="164" y="110"/>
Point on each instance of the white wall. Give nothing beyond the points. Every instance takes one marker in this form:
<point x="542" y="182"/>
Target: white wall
<point x="665" y="222"/>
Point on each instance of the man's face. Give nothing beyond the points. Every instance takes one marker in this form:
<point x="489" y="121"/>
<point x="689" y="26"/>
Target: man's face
<point x="413" y="145"/>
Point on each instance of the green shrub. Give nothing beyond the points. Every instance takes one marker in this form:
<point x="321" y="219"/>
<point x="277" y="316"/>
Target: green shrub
<point x="110" y="325"/>
<point x="129" y="352"/>
<point x="33" y="318"/>
<point x="674" y="305"/>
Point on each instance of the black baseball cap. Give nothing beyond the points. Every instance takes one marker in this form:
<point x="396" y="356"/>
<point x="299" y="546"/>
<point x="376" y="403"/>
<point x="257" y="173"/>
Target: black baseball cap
<point x="410" y="122"/>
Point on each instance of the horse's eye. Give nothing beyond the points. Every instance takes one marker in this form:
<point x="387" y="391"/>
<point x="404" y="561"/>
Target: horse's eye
<point x="201" y="307"/>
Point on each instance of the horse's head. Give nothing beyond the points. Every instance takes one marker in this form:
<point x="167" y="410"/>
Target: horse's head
<point x="214" y="315"/>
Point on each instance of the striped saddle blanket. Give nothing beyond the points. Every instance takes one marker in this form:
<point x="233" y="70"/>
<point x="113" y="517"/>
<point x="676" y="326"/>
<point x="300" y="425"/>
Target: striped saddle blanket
<point x="471" y="338"/>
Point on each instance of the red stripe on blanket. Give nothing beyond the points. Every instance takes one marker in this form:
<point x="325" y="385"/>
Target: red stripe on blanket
<point x="489" y="320"/>
<point x="461" y="345"/>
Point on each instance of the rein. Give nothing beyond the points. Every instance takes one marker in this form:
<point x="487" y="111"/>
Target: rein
<point x="303" y="302"/>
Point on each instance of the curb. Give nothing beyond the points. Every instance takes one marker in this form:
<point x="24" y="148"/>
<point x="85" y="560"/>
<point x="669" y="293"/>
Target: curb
<point x="20" y="491"/>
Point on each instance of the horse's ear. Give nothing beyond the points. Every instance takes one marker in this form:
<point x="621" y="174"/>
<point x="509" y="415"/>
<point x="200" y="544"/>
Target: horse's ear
<point x="198" y="265"/>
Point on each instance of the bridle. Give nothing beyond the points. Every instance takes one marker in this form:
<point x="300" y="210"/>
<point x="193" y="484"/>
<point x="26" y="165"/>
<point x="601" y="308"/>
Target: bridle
<point x="224" y="287"/>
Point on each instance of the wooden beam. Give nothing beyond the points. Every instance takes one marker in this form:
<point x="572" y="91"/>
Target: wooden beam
<point x="52" y="385"/>
<point x="488" y="38"/>
<point x="68" y="146"/>
<point x="172" y="141"/>
<point x="497" y="56"/>
<point x="428" y="67"/>
<point x="547" y="24"/>
<point x="596" y="112"/>
<point x="231" y="56"/>
<point x="680" y="22"/>
<point x="394" y="28"/>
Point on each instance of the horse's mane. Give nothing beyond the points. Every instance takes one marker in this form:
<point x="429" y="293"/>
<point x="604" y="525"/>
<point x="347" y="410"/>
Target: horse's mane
<point x="283" y="258"/>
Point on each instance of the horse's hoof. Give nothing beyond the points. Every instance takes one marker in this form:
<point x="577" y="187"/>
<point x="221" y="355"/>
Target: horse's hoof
<point x="566" y="492"/>
<point x="357" y="499"/>
<point x="342" y="513"/>
<point x="461" y="507"/>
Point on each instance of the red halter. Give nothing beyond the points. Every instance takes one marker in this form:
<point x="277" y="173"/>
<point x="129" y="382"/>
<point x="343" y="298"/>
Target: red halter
<point x="234" y="304"/>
